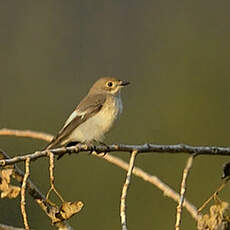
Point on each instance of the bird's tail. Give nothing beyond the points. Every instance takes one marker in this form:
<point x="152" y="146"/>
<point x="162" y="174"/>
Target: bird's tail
<point x="55" y="144"/>
<point x="52" y="144"/>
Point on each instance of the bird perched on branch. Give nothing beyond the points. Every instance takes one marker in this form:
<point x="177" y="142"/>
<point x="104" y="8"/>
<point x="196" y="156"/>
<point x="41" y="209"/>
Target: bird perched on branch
<point x="94" y="116"/>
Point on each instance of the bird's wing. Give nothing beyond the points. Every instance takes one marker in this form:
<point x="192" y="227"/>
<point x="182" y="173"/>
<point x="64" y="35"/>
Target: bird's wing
<point x="89" y="106"/>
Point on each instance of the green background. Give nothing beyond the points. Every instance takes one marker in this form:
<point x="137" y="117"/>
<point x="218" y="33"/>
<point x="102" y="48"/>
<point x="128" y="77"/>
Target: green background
<point x="175" y="53"/>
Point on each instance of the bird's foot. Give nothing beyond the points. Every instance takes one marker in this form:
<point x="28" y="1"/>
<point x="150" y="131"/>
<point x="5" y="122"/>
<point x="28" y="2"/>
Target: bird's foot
<point x="92" y="148"/>
<point x="107" y="149"/>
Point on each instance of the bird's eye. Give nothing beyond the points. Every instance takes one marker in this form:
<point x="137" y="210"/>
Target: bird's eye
<point x="110" y="84"/>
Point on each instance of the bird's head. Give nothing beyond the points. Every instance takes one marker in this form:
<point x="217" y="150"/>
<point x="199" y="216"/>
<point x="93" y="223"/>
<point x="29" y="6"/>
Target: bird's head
<point x="108" y="85"/>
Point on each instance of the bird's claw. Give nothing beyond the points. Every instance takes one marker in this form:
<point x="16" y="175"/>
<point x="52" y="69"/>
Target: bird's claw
<point x="92" y="148"/>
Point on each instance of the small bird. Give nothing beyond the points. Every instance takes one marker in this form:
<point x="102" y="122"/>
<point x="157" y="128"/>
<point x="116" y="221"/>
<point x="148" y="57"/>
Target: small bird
<point x="94" y="116"/>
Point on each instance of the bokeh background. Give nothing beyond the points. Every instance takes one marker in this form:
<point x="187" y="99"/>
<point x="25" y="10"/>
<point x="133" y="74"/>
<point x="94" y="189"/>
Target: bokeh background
<point x="175" y="53"/>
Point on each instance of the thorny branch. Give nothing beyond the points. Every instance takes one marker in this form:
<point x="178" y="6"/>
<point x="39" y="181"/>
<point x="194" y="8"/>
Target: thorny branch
<point x="125" y="190"/>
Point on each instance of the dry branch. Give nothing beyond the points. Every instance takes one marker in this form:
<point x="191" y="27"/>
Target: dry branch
<point x="167" y="191"/>
<point x="51" y="172"/>
<point x="150" y="148"/>
<point x="214" y="195"/>
<point x="23" y="193"/>
<point x="125" y="190"/>
<point x="182" y="191"/>
<point x="51" y="211"/>
<point x="7" y="227"/>
<point x="26" y="133"/>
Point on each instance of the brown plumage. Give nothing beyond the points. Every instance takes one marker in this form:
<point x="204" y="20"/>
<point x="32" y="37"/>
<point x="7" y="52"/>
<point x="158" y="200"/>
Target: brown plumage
<point x="95" y="114"/>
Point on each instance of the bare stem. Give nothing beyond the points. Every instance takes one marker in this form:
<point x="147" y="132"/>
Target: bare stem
<point x="23" y="193"/>
<point x="118" y="162"/>
<point x="125" y="191"/>
<point x="221" y="187"/>
<point x="51" y="210"/>
<point x="182" y="192"/>
<point x="151" y="148"/>
<point x="167" y="191"/>
<point x="8" y="227"/>
<point x="51" y="171"/>
<point x="26" y="133"/>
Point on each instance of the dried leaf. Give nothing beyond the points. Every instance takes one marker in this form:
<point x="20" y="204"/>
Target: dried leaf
<point x="11" y="192"/>
<point x="6" y="173"/>
<point x="217" y="219"/>
<point x="8" y="190"/>
<point x="68" y="209"/>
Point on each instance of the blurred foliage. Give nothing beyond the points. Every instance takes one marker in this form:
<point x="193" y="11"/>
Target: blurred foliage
<point x="175" y="53"/>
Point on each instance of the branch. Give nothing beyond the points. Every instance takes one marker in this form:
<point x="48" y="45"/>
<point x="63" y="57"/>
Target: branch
<point x="182" y="191"/>
<point x="51" y="172"/>
<point x="51" y="211"/>
<point x="7" y="227"/>
<point x="180" y="148"/>
<point x="167" y="191"/>
<point x="23" y="193"/>
<point x="26" y="133"/>
<point x="125" y="190"/>
<point x="112" y="159"/>
<point x="214" y="195"/>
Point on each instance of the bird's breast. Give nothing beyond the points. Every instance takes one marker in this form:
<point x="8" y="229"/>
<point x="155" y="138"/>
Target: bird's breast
<point x="96" y="126"/>
<point x="110" y="112"/>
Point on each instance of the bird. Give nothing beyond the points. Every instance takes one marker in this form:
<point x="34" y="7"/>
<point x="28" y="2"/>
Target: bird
<point x="94" y="116"/>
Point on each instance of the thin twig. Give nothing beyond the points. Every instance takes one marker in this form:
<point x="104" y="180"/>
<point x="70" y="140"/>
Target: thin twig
<point x="167" y="191"/>
<point x="23" y="193"/>
<point x="221" y="187"/>
<point x="182" y="191"/>
<point x="50" y="210"/>
<point x="26" y="133"/>
<point x="125" y="190"/>
<point x="51" y="172"/>
<point x="118" y="162"/>
<point x="8" y="227"/>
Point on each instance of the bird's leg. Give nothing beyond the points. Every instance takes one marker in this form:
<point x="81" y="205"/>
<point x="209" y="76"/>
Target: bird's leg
<point x="104" y="144"/>
<point x="91" y="146"/>
<point x="68" y="145"/>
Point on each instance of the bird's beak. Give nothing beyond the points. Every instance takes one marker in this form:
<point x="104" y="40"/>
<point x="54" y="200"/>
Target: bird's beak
<point x="124" y="83"/>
